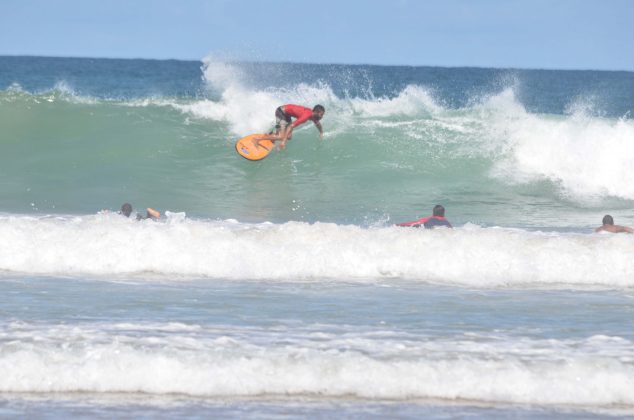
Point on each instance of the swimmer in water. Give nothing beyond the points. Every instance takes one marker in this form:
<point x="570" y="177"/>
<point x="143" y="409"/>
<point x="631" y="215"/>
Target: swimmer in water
<point x="609" y="226"/>
<point x="434" y="221"/>
<point x="150" y="213"/>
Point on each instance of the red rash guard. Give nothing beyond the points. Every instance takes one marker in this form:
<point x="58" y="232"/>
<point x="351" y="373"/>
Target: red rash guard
<point x="302" y="113"/>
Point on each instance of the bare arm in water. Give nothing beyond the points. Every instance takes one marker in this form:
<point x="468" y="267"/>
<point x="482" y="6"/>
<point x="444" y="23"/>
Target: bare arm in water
<point x="614" y="229"/>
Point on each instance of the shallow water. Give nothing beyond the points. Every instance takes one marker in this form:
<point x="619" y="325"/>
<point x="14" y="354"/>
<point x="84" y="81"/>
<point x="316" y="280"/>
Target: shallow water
<point x="396" y="341"/>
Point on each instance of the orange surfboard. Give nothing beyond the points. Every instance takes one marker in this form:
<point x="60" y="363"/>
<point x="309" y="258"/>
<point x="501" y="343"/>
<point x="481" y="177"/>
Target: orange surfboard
<point x="248" y="150"/>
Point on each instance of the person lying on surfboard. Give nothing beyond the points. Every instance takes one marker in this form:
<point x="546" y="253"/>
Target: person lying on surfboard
<point x="126" y="210"/>
<point x="284" y="124"/>
<point x="609" y="226"/>
<point x="437" y="220"/>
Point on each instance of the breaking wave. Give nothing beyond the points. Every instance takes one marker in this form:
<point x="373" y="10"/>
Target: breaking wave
<point x="108" y="244"/>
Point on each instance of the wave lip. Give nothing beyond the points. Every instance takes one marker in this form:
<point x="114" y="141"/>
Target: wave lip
<point x="111" y="245"/>
<point x="231" y="362"/>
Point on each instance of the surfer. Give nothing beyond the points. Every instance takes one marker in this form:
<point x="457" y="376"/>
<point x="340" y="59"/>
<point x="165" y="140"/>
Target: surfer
<point x="284" y="124"/>
<point x="609" y="226"/>
<point x="150" y="213"/>
<point x="436" y="220"/>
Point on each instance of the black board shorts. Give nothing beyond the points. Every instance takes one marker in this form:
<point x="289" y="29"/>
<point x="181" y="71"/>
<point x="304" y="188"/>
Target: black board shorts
<point x="281" y="119"/>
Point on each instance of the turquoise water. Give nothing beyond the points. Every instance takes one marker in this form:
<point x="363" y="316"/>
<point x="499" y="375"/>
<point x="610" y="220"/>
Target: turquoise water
<point x="496" y="147"/>
<point x="281" y="288"/>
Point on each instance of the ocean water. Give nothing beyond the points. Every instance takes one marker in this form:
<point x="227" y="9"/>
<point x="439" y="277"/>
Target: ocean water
<point x="281" y="288"/>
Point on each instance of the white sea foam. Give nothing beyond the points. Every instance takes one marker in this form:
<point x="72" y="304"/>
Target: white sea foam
<point x="329" y="362"/>
<point x="586" y="156"/>
<point x="110" y="245"/>
<point x="249" y="110"/>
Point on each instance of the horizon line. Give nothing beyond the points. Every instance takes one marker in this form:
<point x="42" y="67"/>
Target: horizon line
<point x="201" y="60"/>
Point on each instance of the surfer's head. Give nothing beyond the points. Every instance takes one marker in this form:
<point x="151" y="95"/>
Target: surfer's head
<point x="608" y="220"/>
<point x="439" y="210"/>
<point x="318" y="112"/>
<point x="126" y="209"/>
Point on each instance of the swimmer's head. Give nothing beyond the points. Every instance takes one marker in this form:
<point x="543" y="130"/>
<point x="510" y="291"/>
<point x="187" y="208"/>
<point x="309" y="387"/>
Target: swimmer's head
<point x="126" y="209"/>
<point x="608" y="220"/>
<point x="439" y="210"/>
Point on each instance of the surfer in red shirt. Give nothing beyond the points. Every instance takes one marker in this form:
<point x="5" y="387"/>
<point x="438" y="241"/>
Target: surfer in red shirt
<point x="437" y="220"/>
<point x="284" y="124"/>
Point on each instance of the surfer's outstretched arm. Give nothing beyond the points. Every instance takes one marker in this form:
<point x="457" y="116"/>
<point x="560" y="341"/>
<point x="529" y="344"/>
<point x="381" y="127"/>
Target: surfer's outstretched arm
<point x="320" y="128"/>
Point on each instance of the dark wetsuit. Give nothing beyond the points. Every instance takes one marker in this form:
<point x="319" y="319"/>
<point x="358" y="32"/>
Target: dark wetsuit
<point x="428" y="222"/>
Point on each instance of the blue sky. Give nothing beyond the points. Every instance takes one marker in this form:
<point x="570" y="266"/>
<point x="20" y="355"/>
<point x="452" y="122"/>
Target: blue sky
<point x="570" y="34"/>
